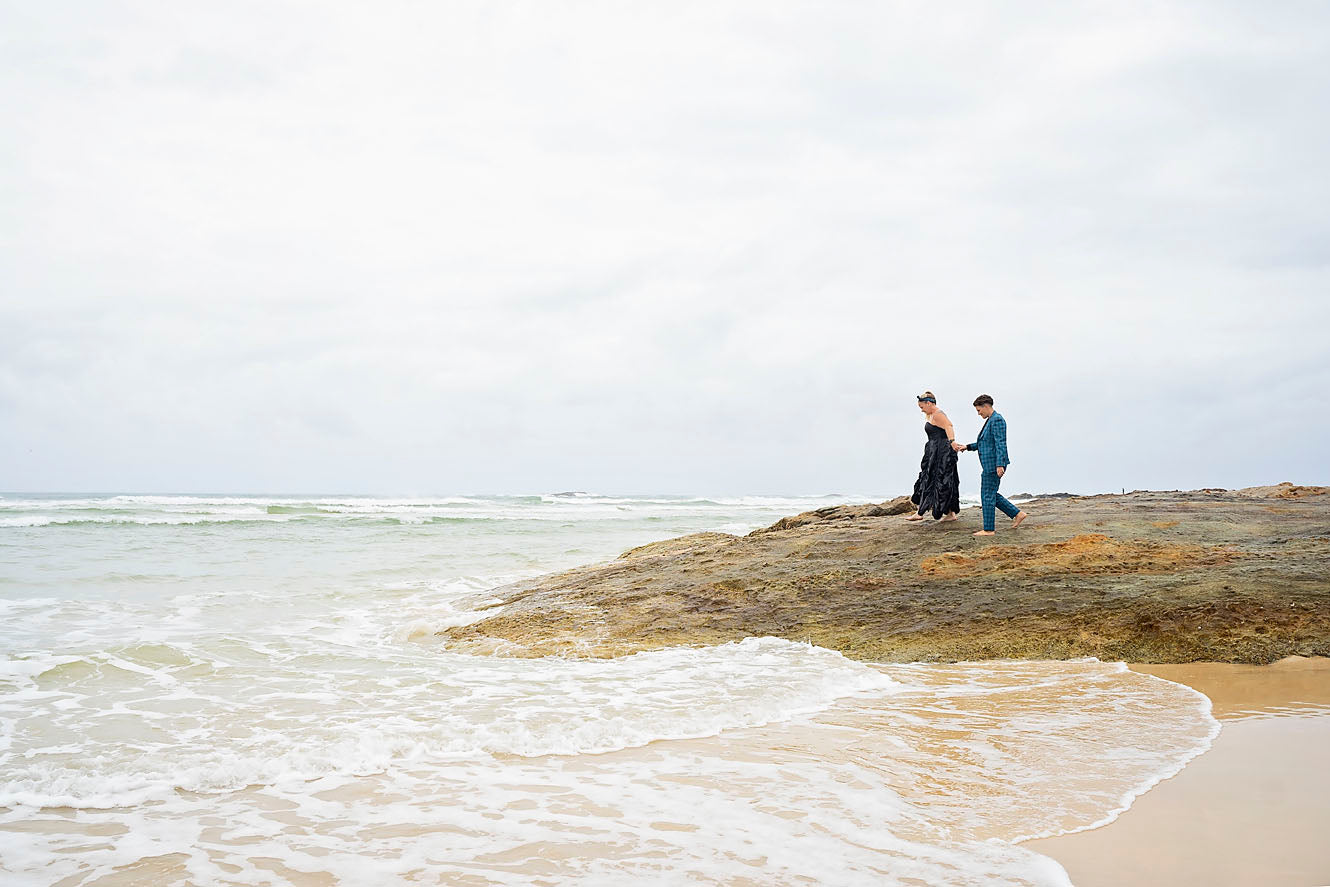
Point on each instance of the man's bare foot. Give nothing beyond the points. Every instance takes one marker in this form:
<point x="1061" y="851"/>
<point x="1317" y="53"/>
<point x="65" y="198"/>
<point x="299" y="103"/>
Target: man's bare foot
<point x="985" y="533"/>
<point x="1019" y="519"/>
<point x="950" y="517"/>
<point x="915" y="517"/>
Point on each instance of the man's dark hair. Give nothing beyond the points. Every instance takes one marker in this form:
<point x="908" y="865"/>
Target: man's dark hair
<point x="982" y="400"/>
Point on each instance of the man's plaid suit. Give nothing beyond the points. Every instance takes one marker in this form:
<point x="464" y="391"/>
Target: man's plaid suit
<point x="992" y="447"/>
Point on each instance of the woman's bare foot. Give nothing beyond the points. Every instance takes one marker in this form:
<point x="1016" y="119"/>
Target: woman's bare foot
<point x="951" y="516"/>
<point x="915" y="517"/>
<point x="985" y="533"/>
<point x="1019" y="519"/>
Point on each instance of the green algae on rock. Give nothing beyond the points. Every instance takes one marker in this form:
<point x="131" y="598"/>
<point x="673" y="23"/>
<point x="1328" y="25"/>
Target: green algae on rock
<point x="1220" y="575"/>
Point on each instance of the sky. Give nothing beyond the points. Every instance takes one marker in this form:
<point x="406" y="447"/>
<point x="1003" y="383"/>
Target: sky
<point x="685" y="247"/>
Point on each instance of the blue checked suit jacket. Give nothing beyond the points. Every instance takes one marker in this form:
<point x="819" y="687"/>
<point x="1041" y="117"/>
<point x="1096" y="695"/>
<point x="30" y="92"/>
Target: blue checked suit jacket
<point x="992" y="444"/>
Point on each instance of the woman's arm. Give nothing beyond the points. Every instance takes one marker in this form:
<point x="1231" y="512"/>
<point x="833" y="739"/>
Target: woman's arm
<point x="944" y="423"/>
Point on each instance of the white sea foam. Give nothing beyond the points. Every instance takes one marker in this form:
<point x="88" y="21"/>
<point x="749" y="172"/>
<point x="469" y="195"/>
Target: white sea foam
<point x="145" y="520"/>
<point x="21" y="512"/>
<point x="246" y="725"/>
<point x="923" y="772"/>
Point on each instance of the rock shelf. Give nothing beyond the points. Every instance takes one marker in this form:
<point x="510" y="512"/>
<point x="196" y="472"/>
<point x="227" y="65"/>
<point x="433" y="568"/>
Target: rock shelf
<point x="1214" y="575"/>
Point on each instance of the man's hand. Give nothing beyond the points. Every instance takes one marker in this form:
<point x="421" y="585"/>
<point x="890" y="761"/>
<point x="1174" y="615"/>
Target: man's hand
<point x="1001" y="471"/>
<point x="958" y="446"/>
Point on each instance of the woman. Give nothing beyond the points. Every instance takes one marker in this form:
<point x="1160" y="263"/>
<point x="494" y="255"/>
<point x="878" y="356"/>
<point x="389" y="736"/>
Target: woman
<point x="938" y="488"/>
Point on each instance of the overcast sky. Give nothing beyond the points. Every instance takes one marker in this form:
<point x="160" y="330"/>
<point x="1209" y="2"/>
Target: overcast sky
<point x="670" y="247"/>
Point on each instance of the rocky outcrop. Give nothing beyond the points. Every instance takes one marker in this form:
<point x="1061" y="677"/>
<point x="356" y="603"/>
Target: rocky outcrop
<point x="1233" y="576"/>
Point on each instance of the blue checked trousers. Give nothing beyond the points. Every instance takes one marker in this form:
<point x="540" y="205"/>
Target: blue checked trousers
<point x="989" y="497"/>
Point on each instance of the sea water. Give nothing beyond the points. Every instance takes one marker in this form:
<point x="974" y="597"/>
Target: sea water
<point x="251" y="690"/>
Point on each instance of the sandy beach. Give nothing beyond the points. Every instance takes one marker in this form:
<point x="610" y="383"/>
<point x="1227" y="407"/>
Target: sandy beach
<point x="1251" y="810"/>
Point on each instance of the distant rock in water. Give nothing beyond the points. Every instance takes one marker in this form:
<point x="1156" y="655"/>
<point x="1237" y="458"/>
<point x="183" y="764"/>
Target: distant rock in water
<point x="1232" y="576"/>
<point x="1043" y="496"/>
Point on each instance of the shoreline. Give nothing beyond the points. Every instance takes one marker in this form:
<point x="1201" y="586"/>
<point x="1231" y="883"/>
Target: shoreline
<point x="1250" y="810"/>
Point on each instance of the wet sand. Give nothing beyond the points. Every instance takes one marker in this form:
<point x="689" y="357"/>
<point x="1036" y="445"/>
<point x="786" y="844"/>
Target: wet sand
<point x="1254" y="809"/>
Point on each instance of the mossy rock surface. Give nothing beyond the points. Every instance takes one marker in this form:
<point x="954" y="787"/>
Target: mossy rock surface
<point x="1220" y="575"/>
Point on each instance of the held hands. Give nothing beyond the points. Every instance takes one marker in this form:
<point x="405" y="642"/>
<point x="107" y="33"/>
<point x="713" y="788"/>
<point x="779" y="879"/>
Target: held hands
<point x="960" y="448"/>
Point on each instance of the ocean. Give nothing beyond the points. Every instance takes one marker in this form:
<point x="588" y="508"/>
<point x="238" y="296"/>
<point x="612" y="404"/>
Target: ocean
<point x="250" y="690"/>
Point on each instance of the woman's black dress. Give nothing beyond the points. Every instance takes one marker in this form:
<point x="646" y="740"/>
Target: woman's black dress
<point x="938" y="488"/>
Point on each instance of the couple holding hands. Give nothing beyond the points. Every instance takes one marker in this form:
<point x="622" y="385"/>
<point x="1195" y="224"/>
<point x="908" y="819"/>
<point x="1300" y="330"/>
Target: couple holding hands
<point x="938" y="488"/>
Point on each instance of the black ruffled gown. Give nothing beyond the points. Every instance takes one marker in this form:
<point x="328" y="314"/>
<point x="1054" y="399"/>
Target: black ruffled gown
<point x="938" y="488"/>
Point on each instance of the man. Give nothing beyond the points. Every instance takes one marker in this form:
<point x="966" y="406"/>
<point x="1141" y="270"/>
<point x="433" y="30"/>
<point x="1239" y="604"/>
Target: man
<point x="992" y="447"/>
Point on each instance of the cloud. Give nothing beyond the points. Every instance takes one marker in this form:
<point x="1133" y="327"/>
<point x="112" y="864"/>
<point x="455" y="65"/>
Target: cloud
<point x="696" y="247"/>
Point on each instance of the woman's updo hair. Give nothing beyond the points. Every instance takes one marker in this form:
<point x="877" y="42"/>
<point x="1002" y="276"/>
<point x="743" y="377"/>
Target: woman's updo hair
<point x="928" y="396"/>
